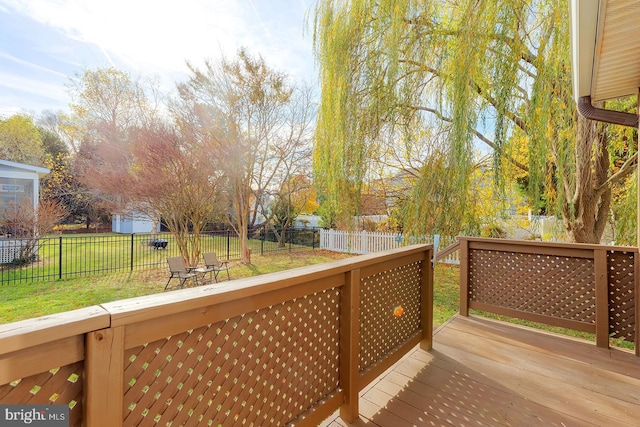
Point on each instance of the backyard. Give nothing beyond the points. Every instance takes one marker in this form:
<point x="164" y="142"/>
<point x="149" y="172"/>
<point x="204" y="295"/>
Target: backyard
<point x="24" y="300"/>
<point x="71" y="256"/>
<point x="20" y="300"/>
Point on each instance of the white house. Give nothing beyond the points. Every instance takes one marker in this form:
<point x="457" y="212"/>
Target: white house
<point x="18" y="181"/>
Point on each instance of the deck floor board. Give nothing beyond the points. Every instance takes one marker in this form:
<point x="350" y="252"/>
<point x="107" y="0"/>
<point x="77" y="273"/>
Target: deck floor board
<point x="483" y="372"/>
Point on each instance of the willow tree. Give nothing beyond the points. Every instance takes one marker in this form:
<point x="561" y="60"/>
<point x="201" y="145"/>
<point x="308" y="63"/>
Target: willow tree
<point x="492" y="72"/>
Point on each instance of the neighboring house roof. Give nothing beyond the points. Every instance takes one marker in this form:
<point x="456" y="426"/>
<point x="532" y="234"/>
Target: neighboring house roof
<point x="27" y="168"/>
<point x="605" y="39"/>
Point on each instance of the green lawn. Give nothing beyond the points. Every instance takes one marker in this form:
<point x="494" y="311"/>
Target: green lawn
<point x="20" y="301"/>
<point x="69" y="256"/>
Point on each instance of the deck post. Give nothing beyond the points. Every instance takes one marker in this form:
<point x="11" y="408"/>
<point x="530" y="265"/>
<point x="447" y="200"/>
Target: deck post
<point x="464" y="276"/>
<point x="602" y="298"/>
<point x="104" y="377"/>
<point x="427" y="300"/>
<point x="636" y="264"/>
<point x="636" y="301"/>
<point x="350" y="345"/>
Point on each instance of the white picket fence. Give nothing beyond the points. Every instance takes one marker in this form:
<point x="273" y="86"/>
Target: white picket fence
<point x="365" y="242"/>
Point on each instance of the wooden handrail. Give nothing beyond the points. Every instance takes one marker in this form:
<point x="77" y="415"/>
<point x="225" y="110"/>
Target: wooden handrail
<point x="448" y="250"/>
<point x="526" y="280"/>
<point x="286" y="323"/>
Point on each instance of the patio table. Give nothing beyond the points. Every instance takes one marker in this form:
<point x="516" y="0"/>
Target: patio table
<point x="200" y="273"/>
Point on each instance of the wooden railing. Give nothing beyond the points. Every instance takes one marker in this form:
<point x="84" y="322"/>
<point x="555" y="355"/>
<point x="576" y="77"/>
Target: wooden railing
<point x="448" y="252"/>
<point x="284" y="348"/>
<point x="590" y="288"/>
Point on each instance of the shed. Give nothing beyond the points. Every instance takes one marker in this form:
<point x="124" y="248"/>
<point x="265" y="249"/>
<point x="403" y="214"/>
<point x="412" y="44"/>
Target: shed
<point x="132" y="222"/>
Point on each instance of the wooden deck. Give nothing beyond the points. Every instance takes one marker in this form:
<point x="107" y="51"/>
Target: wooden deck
<point x="488" y="373"/>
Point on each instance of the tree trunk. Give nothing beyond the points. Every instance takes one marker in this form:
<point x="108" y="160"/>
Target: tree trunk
<point x="587" y="212"/>
<point x="242" y="195"/>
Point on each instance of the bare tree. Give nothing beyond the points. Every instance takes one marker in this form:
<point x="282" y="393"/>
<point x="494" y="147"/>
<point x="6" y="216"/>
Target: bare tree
<point x="174" y="179"/>
<point x="22" y="221"/>
<point x="259" y="126"/>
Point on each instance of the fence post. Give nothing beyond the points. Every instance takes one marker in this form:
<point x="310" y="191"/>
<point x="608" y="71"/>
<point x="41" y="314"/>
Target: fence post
<point x="602" y="297"/>
<point x="313" y="238"/>
<point x="60" y="258"/>
<point x="426" y="299"/>
<point x="349" y="345"/>
<point x="290" y="238"/>
<point x="436" y="247"/>
<point x="104" y="377"/>
<point x="364" y="242"/>
<point x="636" y="301"/>
<point x="132" y="251"/>
<point x="464" y="276"/>
<point x="228" y="244"/>
<point x="264" y="236"/>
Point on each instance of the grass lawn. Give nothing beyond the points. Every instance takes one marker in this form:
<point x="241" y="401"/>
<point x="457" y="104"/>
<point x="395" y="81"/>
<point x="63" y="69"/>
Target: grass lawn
<point x="20" y="301"/>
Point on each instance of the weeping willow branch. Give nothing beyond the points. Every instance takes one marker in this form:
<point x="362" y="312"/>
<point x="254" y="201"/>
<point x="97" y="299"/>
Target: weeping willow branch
<point x="483" y="93"/>
<point x="508" y="114"/>
<point x="524" y="53"/>
<point x="480" y="136"/>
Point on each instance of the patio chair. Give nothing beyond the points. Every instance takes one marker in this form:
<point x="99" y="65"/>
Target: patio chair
<point x="180" y="272"/>
<point x="211" y="261"/>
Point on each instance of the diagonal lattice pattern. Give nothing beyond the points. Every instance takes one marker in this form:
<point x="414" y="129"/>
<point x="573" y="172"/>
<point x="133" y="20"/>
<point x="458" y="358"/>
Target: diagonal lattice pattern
<point x="60" y="386"/>
<point x="380" y="330"/>
<point x="621" y="300"/>
<point x="550" y="285"/>
<point x="262" y="368"/>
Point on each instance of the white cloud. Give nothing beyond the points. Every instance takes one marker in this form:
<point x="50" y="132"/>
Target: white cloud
<point x="37" y="87"/>
<point x="31" y="65"/>
<point x="148" y="37"/>
<point x="158" y="36"/>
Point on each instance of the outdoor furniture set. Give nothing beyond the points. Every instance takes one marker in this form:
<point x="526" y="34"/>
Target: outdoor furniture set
<point x="197" y="275"/>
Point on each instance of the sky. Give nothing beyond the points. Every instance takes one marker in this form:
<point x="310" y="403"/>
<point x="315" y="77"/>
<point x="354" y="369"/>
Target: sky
<point x="44" y="43"/>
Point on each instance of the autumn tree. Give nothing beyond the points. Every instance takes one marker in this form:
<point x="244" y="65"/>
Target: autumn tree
<point x="174" y="178"/>
<point x="488" y="73"/>
<point x="297" y="196"/>
<point x="106" y="106"/>
<point x="20" y="141"/>
<point x="258" y="124"/>
<point x="62" y="185"/>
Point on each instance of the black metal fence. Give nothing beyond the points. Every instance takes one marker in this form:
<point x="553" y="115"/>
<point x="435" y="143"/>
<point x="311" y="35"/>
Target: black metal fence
<point x="67" y="256"/>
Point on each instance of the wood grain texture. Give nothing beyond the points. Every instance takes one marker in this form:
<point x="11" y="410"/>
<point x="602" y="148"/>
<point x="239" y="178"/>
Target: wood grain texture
<point x="588" y="288"/>
<point x="484" y="372"/>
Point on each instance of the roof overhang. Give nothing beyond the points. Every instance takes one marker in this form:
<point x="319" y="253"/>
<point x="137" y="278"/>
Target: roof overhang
<point x="605" y="46"/>
<point x="25" y="168"/>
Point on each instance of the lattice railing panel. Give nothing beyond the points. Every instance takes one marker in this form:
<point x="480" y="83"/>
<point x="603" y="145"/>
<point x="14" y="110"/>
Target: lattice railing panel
<point x="261" y="368"/>
<point x="621" y="297"/>
<point x="60" y="386"/>
<point x="557" y="286"/>
<point x="380" y="329"/>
